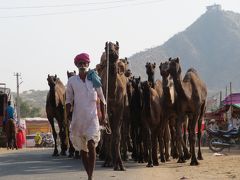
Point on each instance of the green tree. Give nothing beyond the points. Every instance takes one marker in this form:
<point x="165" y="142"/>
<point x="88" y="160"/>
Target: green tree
<point x="26" y="110"/>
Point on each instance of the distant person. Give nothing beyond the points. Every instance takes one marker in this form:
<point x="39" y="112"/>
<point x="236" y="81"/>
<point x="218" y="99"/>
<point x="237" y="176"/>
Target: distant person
<point x="84" y="89"/>
<point x="9" y="115"/>
<point x="20" y="138"/>
<point x="235" y="121"/>
<point x="38" y="140"/>
<point x="213" y="124"/>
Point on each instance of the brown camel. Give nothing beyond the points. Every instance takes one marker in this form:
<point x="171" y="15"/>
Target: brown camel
<point x="164" y="134"/>
<point x="169" y="108"/>
<point x="10" y="130"/>
<point x="151" y="116"/>
<point x="117" y="99"/>
<point x="55" y="110"/>
<point x="192" y="94"/>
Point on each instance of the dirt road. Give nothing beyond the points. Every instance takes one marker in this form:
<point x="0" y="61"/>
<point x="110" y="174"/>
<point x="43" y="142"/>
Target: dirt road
<point x="38" y="164"/>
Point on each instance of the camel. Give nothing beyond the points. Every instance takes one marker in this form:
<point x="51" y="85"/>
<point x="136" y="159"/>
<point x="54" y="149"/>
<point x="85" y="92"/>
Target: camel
<point x="55" y="110"/>
<point x="151" y="116"/>
<point x="164" y="134"/>
<point x="192" y="94"/>
<point x="169" y="108"/>
<point x="117" y="100"/>
<point x="136" y="105"/>
<point x="10" y="131"/>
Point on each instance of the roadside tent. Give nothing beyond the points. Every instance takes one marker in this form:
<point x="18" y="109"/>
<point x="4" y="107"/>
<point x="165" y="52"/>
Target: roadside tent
<point x="37" y="124"/>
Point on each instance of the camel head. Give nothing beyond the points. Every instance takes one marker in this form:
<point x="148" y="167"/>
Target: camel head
<point x="136" y="82"/>
<point x="113" y="50"/>
<point x="174" y="67"/>
<point x="70" y="74"/>
<point x="150" y="68"/>
<point x="164" y="69"/>
<point x="128" y="73"/>
<point x="122" y="66"/>
<point x="52" y="80"/>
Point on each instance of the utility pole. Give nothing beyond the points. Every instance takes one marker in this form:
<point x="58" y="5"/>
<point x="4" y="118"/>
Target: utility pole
<point x="18" y="100"/>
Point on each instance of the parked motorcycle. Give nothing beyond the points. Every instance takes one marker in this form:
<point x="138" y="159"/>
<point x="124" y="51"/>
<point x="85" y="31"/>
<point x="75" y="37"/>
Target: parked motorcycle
<point x="47" y="140"/>
<point x="219" y="139"/>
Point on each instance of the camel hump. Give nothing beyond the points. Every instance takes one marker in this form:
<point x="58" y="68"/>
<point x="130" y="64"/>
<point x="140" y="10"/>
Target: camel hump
<point x="192" y="70"/>
<point x="190" y="74"/>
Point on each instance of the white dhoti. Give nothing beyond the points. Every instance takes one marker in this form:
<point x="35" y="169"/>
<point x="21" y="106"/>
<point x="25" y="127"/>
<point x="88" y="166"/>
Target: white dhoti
<point x="85" y="124"/>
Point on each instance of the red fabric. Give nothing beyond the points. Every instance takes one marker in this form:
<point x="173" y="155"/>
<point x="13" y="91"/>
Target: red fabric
<point x="20" y="139"/>
<point x="83" y="57"/>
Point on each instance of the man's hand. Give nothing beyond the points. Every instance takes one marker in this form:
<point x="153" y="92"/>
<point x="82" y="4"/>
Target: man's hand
<point x="104" y="120"/>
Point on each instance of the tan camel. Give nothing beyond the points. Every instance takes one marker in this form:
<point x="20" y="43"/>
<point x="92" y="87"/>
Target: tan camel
<point x="192" y="94"/>
<point x="117" y="99"/>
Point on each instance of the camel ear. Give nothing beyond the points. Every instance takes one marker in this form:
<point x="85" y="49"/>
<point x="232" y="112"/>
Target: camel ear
<point x="160" y="65"/>
<point x="177" y="60"/>
<point x="170" y="59"/>
<point x="55" y="76"/>
<point x="48" y="75"/>
<point x="117" y="43"/>
<point x="74" y="71"/>
<point x="139" y="78"/>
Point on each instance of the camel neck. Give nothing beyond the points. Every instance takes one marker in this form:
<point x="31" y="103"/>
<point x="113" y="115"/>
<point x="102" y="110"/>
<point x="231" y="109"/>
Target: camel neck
<point x="166" y="90"/>
<point x="112" y="78"/>
<point x="151" y="79"/>
<point x="52" y="99"/>
<point x="179" y="86"/>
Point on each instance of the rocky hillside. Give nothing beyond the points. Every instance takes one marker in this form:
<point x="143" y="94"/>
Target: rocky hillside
<point x="211" y="45"/>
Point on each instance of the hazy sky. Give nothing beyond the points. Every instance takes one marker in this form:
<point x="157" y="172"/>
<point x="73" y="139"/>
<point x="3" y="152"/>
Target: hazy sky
<point x="42" y="37"/>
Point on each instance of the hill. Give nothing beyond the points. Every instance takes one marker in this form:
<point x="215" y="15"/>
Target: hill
<point x="210" y="45"/>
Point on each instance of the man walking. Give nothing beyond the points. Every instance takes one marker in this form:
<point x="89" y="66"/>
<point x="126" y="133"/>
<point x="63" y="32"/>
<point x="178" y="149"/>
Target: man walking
<point x="84" y="89"/>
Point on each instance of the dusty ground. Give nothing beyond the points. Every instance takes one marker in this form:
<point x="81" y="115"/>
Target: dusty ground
<point x="221" y="166"/>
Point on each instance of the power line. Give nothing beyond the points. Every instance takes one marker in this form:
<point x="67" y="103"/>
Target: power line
<point x="67" y="5"/>
<point x="81" y="11"/>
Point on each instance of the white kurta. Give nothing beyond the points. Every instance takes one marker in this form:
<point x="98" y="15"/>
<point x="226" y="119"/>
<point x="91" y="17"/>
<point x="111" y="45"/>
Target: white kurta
<point x="85" y="123"/>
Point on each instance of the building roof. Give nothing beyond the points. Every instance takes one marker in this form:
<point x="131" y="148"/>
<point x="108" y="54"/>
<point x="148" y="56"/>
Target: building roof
<point x="231" y="99"/>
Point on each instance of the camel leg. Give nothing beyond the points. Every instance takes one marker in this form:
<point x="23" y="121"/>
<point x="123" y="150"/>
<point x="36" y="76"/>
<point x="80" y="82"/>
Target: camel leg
<point x="140" y="151"/>
<point x="161" y="141"/>
<point x="173" y="141"/>
<point x="166" y="142"/>
<point x="154" y="149"/>
<point x="181" y="158"/>
<point x="200" y="132"/>
<point x="124" y="141"/>
<point x="107" y="150"/>
<point x="192" y="139"/>
<point x="117" y="161"/>
<point x="62" y="135"/>
<point x="55" y="152"/>
<point x="149" y="147"/>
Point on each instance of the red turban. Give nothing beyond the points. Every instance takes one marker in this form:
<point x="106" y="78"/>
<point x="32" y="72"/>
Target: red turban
<point x="84" y="57"/>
